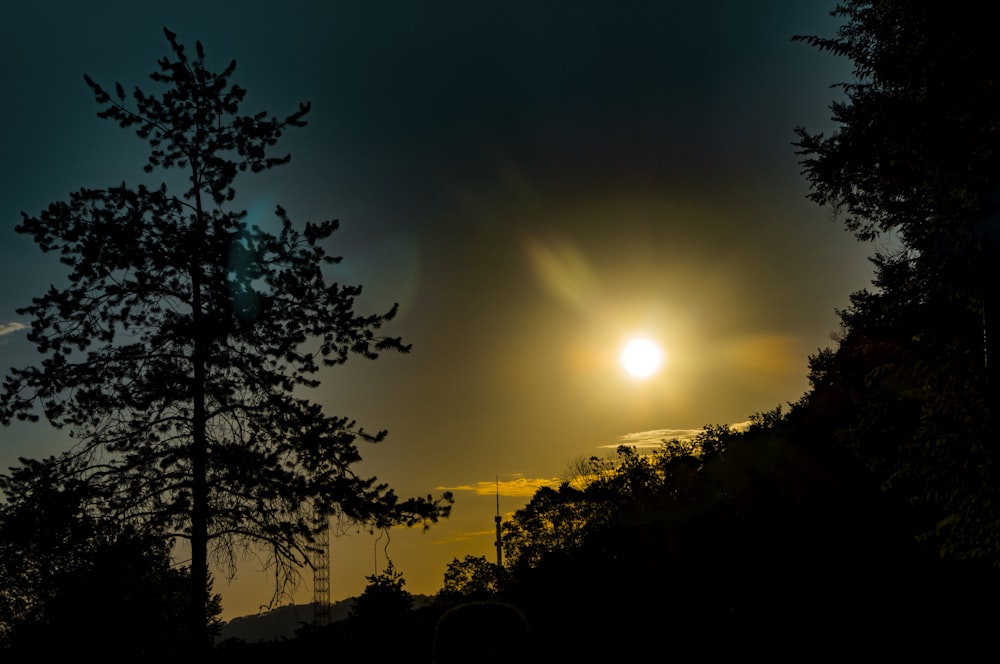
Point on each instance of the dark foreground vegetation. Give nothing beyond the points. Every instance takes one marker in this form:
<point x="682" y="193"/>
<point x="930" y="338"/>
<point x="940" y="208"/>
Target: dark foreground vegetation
<point x="774" y="540"/>
<point x="860" y="520"/>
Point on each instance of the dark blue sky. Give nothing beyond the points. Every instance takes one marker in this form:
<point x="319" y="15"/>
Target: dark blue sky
<point x="532" y="181"/>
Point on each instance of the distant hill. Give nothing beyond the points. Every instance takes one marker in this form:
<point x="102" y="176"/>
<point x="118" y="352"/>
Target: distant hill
<point x="281" y="623"/>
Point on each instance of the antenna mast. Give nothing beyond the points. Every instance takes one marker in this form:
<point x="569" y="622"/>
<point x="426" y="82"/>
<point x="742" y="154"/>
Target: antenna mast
<point x="497" y="519"/>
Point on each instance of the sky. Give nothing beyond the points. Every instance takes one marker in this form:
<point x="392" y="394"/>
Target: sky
<point x="533" y="182"/>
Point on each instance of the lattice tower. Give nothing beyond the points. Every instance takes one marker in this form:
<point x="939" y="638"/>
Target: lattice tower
<point x="321" y="578"/>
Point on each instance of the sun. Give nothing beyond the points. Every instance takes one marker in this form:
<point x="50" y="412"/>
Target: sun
<point x="641" y="358"/>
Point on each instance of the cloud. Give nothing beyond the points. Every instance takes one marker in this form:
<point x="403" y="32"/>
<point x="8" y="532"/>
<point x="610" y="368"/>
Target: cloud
<point x="655" y="437"/>
<point x="518" y="486"/>
<point x="7" y="328"/>
<point x="740" y="426"/>
<point x="652" y="438"/>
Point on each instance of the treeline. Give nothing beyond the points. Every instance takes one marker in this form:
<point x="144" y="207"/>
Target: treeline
<point x="776" y="539"/>
<point x="766" y="540"/>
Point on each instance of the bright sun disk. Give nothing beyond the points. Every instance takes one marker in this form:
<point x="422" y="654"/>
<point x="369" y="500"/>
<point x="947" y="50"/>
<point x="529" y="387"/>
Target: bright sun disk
<point x="641" y="358"/>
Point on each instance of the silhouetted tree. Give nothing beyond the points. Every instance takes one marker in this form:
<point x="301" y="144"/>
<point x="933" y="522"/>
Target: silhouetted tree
<point x="384" y="599"/>
<point x="180" y="354"/>
<point x="911" y="151"/>
<point x="916" y="154"/>
<point x="915" y="149"/>
<point x="732" y="532"/>
<point x="69" y="578"/>
<point x="469" y="579"/>
<point x="629" y="490"/>
<point x="382" y="620"/>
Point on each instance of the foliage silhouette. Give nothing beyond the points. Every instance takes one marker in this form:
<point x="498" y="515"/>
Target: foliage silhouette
<point x="471" y="579"/>
<point x="912" y="151"/>
<point x="384" y="599"/>
<point x="383" y="621"/>
<point x="915" y="155"/>
<point x="626" y="491"/>
<point x="67" y="576"/>
<point x="181" y="351"/>
<point x="734" y="532"/>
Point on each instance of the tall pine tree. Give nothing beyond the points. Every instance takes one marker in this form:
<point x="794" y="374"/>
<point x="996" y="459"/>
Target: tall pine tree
<point x="181" y="352"/>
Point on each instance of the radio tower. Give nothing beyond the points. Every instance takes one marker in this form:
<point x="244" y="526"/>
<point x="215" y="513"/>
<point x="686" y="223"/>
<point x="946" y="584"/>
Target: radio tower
<point x="496" y="519"/>
<point x="321" y="578"/>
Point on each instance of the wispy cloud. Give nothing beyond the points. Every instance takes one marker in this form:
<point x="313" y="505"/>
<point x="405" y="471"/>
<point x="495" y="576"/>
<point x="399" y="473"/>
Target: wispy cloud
<point x="654" y="437"/>
<point x="518" y="486"/>
<point x="740" y="426"/>
<point x="7" y="328"/>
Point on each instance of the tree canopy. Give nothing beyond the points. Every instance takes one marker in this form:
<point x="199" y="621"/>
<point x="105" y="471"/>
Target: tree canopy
<point x="68" y="576"/>
<point x="915" y="155"/>
<point x="384" y="600"/>
<point x="734" y="531"/>
<point x="182" y="350"/>
<point x="473" y="578"/>
<point x="913" y="146"/>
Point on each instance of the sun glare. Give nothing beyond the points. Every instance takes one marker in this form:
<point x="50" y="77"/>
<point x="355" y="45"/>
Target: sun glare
<point x="641" y="358"/>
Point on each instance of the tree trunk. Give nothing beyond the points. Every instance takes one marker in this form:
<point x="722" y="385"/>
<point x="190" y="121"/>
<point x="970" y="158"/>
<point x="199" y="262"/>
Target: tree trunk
<point x="199" y="448"/>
